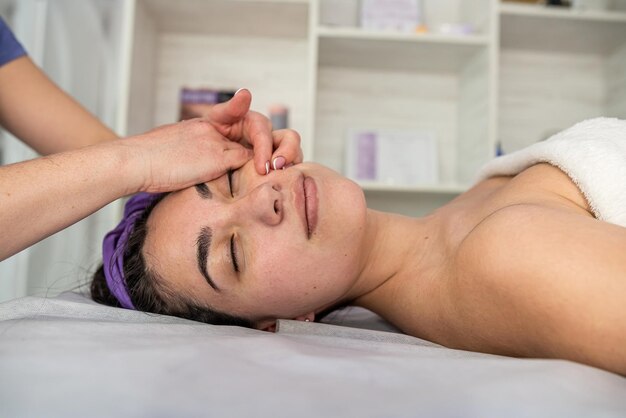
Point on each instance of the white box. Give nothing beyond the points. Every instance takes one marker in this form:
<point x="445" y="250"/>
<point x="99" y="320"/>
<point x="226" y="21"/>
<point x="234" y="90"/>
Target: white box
<point x="401" y="158"/>
<point x="339" y="13"/>
<point x="397" y="15"/>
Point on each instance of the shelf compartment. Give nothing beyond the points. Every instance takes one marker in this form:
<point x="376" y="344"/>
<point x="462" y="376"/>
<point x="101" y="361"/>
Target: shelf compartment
<point x="558" y="66"/>
<point x="348" y="47"/>
<point x="540" y="28"/>
<point x="220" y="44"/>
<point x="250" y="18"/>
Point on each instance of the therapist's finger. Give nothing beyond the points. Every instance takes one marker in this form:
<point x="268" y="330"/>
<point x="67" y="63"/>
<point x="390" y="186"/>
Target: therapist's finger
<point x="225" y="117"/>
<point x="257" y="132"/>
<point x="234" y="156"/>
<point x="287" y="149"/>
<point x="234" y="120"/>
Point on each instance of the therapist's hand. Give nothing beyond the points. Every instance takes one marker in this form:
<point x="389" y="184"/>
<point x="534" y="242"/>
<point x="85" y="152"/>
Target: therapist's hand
<point x="272" y="150"/>
<point x="179" y="155"/>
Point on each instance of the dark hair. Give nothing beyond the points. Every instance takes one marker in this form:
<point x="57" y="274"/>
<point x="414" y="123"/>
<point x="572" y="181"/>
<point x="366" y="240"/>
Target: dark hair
<point x="148" y="291"/>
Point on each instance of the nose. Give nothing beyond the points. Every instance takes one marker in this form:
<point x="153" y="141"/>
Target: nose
<point x="264" y="203"/>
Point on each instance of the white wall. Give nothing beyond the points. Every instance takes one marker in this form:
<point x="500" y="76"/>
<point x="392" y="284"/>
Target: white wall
<point x="77" y="43"/>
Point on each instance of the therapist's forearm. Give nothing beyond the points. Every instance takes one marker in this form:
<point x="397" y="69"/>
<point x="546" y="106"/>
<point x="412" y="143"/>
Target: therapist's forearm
<point x="38" y="112"/>
<point x="45" y="195"/>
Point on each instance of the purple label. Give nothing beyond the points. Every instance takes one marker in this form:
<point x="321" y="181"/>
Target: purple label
<point x="198" y="96"/>
<point x="366" y="156"/>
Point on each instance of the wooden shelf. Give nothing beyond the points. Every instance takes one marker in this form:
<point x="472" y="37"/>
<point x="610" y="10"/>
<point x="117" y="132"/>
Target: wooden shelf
<point x="541" y="28"/>
<point x="353" y="47"/>
<point x="562" y="13"/>
<point x="445" y="189"/>
<point x="435" y="38"/>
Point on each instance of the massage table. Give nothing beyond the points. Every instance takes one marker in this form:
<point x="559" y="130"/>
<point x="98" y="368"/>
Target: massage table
<point x="70" y="357"/>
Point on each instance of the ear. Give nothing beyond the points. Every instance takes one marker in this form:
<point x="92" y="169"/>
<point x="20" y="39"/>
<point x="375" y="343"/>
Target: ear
<point x="310" y="317"/>
<point x="269" y="326"/>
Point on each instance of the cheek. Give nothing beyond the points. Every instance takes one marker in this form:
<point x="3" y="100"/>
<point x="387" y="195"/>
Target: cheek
<point x="279" y="266"/>
<point x="301" y="276"/>
<point x="343" y="210"/>
<point x="344" y="230"/>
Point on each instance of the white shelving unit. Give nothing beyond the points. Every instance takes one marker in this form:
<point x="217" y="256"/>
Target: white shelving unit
<point x="525" y="73"/>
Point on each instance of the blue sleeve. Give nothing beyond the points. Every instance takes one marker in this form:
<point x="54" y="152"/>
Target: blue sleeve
<point x="10" y="48"/>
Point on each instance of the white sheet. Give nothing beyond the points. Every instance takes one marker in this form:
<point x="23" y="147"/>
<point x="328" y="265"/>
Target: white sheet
<point x="71" y="357"/>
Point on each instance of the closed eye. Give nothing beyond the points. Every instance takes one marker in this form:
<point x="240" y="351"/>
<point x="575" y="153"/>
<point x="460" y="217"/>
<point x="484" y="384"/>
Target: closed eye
<point x="230" y="182"/>
<point x="204" y="191"/>
<point x="233" y="255"/>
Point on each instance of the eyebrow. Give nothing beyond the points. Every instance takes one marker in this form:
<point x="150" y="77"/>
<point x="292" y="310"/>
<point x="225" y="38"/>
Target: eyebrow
<point x="203" y="244"/>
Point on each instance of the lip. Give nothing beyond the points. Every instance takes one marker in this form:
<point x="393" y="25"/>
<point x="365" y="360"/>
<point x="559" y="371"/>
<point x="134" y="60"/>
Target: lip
<point x="305" y="192"/>
<point x="311" y="204"/>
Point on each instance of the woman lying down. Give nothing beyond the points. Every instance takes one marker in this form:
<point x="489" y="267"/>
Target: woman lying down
<point x="526" y="263"/>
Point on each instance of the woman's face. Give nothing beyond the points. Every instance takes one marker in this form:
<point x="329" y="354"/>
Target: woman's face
<point x="261" y="247"/>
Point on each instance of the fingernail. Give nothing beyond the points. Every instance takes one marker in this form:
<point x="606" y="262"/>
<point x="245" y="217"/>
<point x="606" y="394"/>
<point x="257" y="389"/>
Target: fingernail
<point x="239" y="90"/>
<point x="279" y="162"/>
<point x="267" y="167"/>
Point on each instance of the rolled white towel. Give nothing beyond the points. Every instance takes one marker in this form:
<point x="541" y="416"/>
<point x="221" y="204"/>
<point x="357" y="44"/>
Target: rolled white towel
<point x="592" y="153"/>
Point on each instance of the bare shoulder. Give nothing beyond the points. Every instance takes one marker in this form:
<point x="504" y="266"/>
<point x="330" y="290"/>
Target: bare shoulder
<point x="546" y="183"/>
<point x="547" y="280"/>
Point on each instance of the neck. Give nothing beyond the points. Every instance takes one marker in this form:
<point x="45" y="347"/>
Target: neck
<point x="402" y="258"/>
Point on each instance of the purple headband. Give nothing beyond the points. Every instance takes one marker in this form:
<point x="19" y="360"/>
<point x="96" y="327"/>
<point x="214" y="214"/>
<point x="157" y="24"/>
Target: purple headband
<point x="114" y="245"/>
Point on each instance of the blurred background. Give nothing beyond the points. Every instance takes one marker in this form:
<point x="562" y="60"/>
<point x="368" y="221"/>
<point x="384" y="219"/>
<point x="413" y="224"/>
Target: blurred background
<point x="407" y="97"/>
